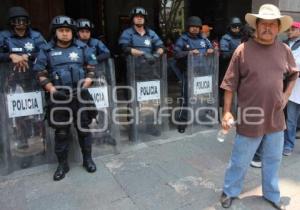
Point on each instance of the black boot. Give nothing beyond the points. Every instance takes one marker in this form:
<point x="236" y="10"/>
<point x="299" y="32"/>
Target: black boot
<point x="62" y="167"/>
<point x="88" y="162"/>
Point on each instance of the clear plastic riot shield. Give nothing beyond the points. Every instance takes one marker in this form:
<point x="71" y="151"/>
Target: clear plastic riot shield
<point x="3" y="157"/>
<point x="203" y="105"/>
<point x="23" y="131"/>
<point x="148" y="82"/>
<point x="105" y="131"/>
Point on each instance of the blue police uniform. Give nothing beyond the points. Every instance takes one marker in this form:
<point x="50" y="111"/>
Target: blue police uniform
<point x="102" y="53"/>
<point x="147" y="43"/>
<point x="228" y="44"/>
<point x="30" y="44"/>
<point x="65" y="67"/>
<point x="183" y="46"/>
<point x="100" y="50"/>
<point x="186" y="43"/>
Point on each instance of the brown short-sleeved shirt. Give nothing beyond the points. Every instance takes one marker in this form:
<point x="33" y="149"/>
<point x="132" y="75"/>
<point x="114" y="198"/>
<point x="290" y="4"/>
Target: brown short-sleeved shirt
<point x="256" y="73"/>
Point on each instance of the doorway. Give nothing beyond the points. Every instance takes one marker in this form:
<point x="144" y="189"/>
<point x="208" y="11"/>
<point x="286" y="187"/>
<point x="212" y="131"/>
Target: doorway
<point x="92" y="10"/>
<point x="217" y="13"/>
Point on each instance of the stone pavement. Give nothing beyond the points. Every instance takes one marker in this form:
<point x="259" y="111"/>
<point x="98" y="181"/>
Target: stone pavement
<point x="184" y="173"/>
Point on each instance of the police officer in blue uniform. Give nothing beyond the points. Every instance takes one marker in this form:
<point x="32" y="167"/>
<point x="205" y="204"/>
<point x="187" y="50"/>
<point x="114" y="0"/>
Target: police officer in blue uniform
<point x="65" y="68"/>
<point x="19" y="46"/>
<point x="139" y="40"/>
<point x="228" y="43"/>
<point x="232" y="39"/>
<point x="85" y="29"/>
<point x="189" y="42"/>
<point x="84" y="32"/>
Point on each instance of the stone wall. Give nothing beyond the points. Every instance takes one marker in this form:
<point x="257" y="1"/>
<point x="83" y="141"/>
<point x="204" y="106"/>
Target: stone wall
<point x="287" y="7"/>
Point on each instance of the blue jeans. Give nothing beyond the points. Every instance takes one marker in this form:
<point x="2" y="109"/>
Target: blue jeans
<point x="243" y="151"/>
<point x="293" y="112"/>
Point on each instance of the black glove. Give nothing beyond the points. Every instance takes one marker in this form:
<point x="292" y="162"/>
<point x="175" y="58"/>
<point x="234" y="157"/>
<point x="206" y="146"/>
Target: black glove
<point x="149" y="58"/>
<point x="83" y="93"/>
<point x="59" y="95"/>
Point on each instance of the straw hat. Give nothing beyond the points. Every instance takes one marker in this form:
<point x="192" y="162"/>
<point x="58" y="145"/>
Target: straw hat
<point x="269" y="12"/>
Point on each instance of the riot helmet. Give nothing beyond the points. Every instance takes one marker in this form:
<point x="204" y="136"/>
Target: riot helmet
<point x="235" y="22"/>
<point x="18" y="16"/>
<point x="235" y="26"/>
<point x="62" y="21"/>
<point x="138" y="11"/>
<point x="194" y="21"/>
<point x="84" y="24"/>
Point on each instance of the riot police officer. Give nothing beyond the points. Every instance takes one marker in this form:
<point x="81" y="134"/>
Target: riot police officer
<point x="139" y="40"/>
<point x="19" y="46"/>
<point x="228" y="43"/>
<point x="190" y="42"/>
<point x="60" y="67"/>
<point x="144" y="44"/>
<point x="231" y="40"/>
<point x="85" y="30"/>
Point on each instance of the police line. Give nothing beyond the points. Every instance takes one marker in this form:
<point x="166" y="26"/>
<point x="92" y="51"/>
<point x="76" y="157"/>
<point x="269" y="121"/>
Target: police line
<point x="30" y="103"/>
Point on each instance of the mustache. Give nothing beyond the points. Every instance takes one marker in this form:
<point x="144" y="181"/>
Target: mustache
<point x="267" y="32"/>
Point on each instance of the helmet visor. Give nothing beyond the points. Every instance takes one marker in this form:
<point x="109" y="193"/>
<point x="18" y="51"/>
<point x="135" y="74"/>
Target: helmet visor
<point x="236" y="25"/>
<point x="84" y="24"/>
<point x="64" y="20"/>
<point x="19" y="21"/>
<point x="139" y="11"/>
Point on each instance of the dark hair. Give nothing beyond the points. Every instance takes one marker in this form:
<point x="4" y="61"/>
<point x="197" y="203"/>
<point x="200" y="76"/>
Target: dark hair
<point x="259" y="19"/>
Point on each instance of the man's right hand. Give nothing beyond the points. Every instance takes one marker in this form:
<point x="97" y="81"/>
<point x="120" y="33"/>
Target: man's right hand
<point x="136" y="52"/>
<point x="227" y="117"/>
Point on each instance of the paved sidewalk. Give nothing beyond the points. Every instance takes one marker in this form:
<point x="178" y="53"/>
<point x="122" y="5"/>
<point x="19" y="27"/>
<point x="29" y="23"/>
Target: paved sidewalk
<point x="185" y="174"/>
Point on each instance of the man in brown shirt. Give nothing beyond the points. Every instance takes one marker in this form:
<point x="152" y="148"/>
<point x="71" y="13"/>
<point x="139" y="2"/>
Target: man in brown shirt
<point x="256" y="72"/>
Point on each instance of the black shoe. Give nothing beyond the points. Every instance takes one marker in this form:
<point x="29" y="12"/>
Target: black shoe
<point x="226" y="201"/>
<point x="279" y="206"/>
<point x="61" y="171"/>
<point x="89" y="165"/>
<point x="181" y="128"/>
